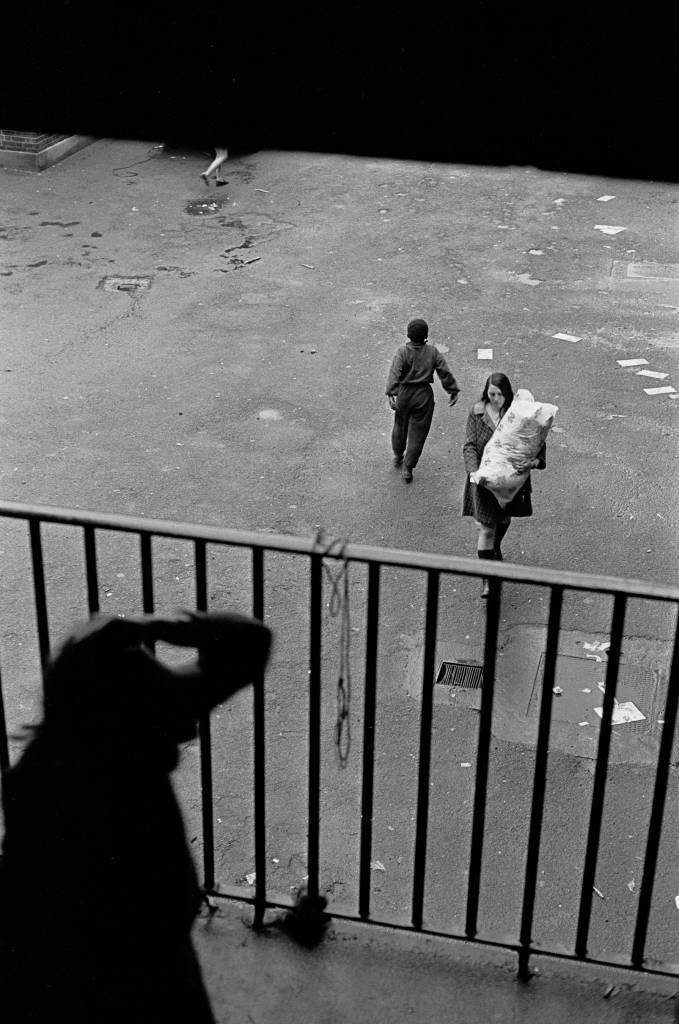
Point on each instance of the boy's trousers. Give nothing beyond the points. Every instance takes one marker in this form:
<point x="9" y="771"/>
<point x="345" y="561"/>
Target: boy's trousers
<point x="412" y="420"/>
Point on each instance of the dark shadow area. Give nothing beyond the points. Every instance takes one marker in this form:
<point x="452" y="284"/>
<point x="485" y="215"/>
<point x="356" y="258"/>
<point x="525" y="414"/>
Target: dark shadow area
<point x="580" y="88"/>
<point x="98" y="886"/>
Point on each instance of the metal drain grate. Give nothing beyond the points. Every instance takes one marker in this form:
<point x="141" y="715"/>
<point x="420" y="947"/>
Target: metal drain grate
<point x="125" y="284"/>
<point x="457" y="673"/>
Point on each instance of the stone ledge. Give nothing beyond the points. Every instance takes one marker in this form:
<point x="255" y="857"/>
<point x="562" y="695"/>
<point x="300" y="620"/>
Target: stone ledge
<point x="360" y="974"/>
<point x="44" y="158"/>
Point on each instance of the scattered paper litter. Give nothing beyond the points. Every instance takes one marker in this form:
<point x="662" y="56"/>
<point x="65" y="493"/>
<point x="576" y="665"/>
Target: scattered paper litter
<point x="536" y="252"/>
<point x="630" y="886"/>
<point x="261" y="190"/>
<point x="527" y="279"/>
<point x="586" y="690"/>
<point x="605" y="199"/>
<point x="465" y="764"/>
<point x="484" y="353"/>
<point x="566" y="337"/>
<point x="623" y="713"/>
<point x="597" y="645"/>
<point x="676" y="902"/>
<point x="666" y="390"/>
<point x="377" y="865"/>
<point x="598" y="892"/>
<point x="594" y="657"/>
<point x="632" y="362"/>
<point x="609" y="229"/>
<point x="250" y="879"/>
<point x="558" y="202"/>
<point x="557" y="690"/>
<point x="583" y="723"/>
<point x="652" y="373"/>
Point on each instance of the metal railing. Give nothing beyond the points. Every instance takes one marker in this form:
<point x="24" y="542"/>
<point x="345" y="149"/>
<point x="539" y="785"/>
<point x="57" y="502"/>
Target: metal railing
<point x="433" y="566"/>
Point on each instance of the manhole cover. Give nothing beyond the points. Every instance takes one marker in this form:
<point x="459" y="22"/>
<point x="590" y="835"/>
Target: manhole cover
<point x="125" y="284"/>
<point x="654" y="271"/>
<point x="645" y="271"/>
<point x="459" y="674"/>
<point x="204" y="207"/>
<point x="581" y="679"/>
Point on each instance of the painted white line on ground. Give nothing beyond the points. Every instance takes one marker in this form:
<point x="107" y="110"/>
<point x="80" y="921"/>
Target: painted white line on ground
<point x="605" y="199"/>
<point x="609" y="229"/>
<point x="668" y="390"/>
<point x="652" y="373"/>
<point x="566" y="337"/>
<point x="631" y="362"/>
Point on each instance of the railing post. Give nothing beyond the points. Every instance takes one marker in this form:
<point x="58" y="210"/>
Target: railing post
<point x="599" y="788"/>
<point x="482" y="754"/>
<point x="315" y="621"/>
<point x="369" y="739"/>
<point x="658" y="807"/>
<point x="205" y="738"/>
<point x="426" y="715"/>
<point x="91" y="570"/>
<point x="539" y="782"/>
<point x="39" y="591"/>
<point x="146" y="573"/>
<point x="259" y="751"/>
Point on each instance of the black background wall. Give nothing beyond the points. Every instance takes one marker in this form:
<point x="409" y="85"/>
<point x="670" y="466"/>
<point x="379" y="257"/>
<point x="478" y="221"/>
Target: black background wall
<point x="581" y="87"/>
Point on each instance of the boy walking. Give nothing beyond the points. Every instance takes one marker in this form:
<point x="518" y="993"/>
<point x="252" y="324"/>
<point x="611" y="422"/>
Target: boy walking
<point x="411" y="395"/>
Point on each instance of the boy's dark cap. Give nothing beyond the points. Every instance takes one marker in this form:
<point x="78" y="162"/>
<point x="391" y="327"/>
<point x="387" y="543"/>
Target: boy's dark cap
<point x="418" y="330"/>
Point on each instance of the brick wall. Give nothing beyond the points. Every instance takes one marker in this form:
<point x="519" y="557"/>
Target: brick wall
<point x="27" y="142"/>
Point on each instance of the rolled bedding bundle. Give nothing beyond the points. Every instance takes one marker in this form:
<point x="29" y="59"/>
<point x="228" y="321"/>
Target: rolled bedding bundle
<point x="518" y="438"/>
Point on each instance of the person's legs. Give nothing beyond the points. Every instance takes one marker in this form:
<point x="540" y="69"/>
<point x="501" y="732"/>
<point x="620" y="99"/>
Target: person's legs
<point x="220" y="156"/>
<point x="399" y="431"/>
<point x="486" y="549"/>
<point x="500" y="531"/>
<point x="421" y="413"/>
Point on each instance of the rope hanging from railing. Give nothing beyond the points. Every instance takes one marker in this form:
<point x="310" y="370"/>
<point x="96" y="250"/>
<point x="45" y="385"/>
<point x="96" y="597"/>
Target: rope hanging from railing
<point x="339" y="605"/>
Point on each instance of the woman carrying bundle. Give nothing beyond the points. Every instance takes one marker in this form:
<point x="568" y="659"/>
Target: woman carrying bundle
<point x="492" y="520"/>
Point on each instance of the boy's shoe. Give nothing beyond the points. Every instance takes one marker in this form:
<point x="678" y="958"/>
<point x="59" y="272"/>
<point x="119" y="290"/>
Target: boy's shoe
<point x="204" y="177"/>
<point x="398" y="459"/>
<point x="407" y="474"/>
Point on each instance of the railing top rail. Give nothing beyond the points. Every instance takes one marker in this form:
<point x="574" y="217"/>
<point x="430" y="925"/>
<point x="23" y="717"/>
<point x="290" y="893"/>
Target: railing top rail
<point x="392" y="557"/>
